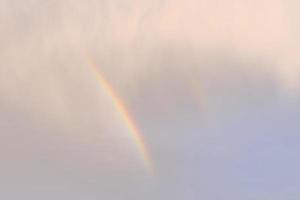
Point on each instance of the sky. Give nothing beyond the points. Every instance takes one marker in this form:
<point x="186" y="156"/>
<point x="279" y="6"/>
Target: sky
<point x="140" y="99"/>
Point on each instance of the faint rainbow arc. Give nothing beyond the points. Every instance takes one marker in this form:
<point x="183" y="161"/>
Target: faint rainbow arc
<point x="126" y="116"/>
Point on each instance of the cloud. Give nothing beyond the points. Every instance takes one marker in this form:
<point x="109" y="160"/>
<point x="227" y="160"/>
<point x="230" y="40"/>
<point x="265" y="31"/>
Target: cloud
<point x="188" y="70"/>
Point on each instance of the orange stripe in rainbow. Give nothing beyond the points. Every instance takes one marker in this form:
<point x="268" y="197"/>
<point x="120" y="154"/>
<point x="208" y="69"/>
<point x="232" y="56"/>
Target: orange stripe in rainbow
<point x="121" y="108"/>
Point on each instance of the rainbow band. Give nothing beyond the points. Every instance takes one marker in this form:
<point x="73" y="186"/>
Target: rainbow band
<point x="127" y="118"/>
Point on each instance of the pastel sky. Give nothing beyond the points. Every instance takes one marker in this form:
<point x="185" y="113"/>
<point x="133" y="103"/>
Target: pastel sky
<point x="211" y="87"/>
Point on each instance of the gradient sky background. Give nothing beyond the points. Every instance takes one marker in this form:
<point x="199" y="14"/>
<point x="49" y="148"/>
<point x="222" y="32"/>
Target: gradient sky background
<point x="212" y="85"/>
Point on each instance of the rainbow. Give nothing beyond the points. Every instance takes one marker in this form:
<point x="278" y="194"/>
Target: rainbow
<point x="126" y="116"/>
